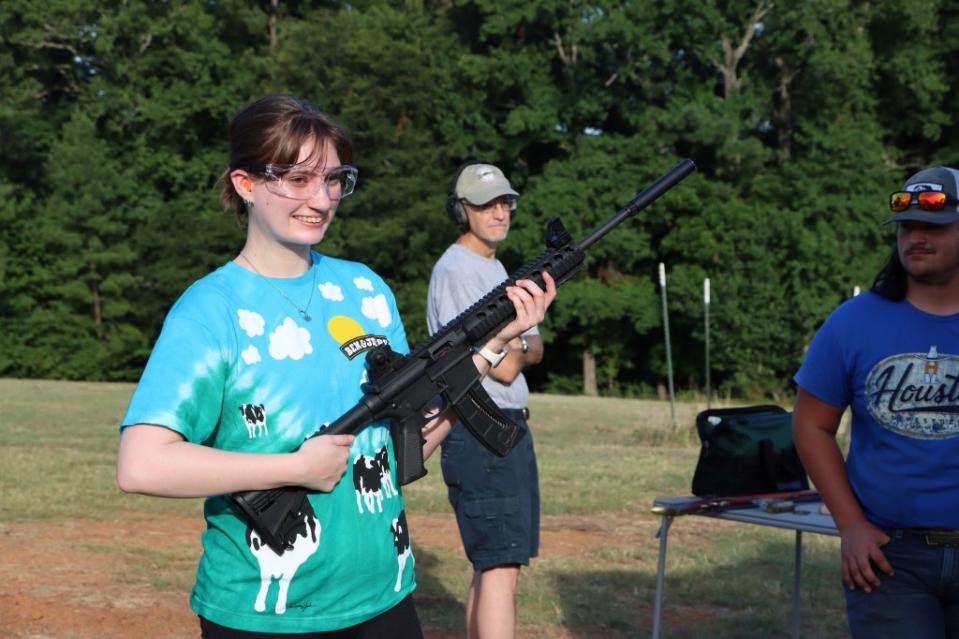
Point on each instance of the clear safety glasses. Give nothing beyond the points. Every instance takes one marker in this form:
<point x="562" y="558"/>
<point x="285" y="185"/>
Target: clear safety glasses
<point x="298" y="183"/>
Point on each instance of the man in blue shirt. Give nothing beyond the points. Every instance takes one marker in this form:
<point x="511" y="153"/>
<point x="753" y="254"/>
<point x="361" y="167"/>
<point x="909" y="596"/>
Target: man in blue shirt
<point x="892" y="356"/>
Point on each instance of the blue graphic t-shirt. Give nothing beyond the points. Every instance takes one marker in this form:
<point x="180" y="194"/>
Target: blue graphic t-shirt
<point x="237" y="367"/>
<point x="898" y="368"/>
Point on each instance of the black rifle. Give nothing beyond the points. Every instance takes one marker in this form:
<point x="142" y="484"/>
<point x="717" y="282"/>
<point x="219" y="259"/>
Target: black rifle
<point x="401" y="386"/>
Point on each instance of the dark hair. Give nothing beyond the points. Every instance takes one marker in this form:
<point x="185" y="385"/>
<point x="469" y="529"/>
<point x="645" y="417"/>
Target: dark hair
<point x="890" y="282"/>
<point x="272" y="130"/>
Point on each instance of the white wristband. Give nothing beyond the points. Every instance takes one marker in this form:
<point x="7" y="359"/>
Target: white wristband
<point x="493" y="358"/>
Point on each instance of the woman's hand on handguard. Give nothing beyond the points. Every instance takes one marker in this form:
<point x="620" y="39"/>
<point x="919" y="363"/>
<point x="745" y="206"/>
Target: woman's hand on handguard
<point x="530" y="302"/>
<point x="860" y="549"/>
<point x="324" y="459"/>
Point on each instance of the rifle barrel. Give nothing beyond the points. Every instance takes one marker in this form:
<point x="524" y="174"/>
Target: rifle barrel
<point x="646" y="197"/>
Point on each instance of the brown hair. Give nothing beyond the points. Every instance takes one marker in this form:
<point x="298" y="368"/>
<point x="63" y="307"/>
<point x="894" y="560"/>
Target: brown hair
<point x="271" y="130"/>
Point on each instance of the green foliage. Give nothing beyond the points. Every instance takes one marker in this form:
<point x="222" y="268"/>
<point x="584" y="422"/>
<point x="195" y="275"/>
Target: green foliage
<point x="800" y="117"/>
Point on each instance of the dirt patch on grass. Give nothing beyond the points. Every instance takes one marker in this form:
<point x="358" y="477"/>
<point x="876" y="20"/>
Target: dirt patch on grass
<point x="101" y="579"/>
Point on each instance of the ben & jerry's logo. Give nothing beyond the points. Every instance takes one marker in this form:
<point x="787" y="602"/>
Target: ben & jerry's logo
<point x="362" y="344"/>
<point x="916" y="394"/>
<point x="349" y="334"/>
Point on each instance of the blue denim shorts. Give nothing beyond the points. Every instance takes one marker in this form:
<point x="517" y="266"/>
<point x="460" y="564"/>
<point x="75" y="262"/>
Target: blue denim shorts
<point x="496" y="499"/>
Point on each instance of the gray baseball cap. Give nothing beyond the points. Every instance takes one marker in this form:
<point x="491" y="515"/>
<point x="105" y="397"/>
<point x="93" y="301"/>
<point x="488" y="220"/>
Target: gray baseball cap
<point x="939" y="178"/>
<point x="482" y="183"/>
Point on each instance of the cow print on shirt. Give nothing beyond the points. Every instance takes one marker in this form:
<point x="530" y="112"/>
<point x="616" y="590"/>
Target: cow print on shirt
<point x="401" y="539"/>
<point x="255" y="417"/>
<point x="283" y="567"/>
<point x="373" y="480"/>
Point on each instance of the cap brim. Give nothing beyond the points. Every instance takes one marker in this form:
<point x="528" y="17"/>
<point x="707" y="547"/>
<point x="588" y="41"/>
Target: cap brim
<point x="481" y="196"/>
<point x="918" y="215"/>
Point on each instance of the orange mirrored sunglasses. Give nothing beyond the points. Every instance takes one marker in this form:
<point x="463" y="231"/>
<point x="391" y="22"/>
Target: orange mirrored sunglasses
<point x="926" y="200"/>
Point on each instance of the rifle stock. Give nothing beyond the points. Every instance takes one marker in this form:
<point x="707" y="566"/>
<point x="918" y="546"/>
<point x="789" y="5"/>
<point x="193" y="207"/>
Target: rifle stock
<point x="402" y="386"/>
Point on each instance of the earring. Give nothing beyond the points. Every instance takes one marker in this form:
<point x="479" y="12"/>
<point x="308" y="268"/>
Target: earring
<point x="248" y="204"/>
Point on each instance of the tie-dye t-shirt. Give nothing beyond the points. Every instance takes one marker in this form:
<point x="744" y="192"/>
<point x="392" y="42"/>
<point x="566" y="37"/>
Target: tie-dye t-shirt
<point x="237" y="367"/>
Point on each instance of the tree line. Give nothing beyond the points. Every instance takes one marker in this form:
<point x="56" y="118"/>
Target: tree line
<point x="801" y="118"/>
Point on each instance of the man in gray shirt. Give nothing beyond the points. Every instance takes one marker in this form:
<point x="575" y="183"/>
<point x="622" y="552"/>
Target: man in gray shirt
<point x="496" y="499"/>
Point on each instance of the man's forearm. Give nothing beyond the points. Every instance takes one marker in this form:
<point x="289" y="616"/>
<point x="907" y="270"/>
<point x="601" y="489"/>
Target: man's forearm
<point x="824" y="463"/>
<point x="516" y="360"/>
<point x="436" y="431"/>
<point x="534" y="354"/>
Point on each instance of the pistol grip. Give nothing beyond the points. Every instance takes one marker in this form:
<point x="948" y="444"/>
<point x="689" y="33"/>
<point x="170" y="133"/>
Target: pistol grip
<point x="408" y="446"/>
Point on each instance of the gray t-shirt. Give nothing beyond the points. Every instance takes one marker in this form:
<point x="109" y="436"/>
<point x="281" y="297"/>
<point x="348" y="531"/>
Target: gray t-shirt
<point x="460" y="278"/>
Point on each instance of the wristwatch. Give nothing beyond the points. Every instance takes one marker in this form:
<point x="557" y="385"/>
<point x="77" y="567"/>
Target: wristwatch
<point x="493" y="358"/>
<point x="525" y="344"/>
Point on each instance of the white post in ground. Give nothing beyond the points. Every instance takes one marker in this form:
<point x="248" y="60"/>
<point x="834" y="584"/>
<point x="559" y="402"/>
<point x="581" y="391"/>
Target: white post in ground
<point x="709" y="393"/>
<point x="669" y="353"/>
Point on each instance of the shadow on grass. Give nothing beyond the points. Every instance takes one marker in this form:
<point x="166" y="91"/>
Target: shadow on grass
<point x="434" y="601"/>
<point x="742" y="600"/>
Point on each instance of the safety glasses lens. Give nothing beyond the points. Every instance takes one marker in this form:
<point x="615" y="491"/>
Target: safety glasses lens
<point x="932" y="200"/>
<point x="340" y="183"/>
<point x="899" y="201"/>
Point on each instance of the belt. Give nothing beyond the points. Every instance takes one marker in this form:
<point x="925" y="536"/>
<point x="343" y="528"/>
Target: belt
<point x="516" y="412"/>
<point x="935" y="536"/>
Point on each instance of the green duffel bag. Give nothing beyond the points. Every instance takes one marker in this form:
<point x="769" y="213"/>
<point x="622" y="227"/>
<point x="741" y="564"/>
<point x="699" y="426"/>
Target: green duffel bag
<point x="745" y="451"/>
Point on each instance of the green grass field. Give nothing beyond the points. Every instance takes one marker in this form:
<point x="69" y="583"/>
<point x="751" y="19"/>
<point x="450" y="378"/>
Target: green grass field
<point x="602" y="462"/>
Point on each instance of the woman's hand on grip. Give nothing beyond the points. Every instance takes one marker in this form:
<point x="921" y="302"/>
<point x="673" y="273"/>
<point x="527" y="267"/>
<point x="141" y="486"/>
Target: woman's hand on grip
<point x="324" y="459"/>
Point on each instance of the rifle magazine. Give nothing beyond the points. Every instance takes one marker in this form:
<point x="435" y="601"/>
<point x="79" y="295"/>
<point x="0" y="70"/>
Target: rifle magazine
<point x="487" y="423"/>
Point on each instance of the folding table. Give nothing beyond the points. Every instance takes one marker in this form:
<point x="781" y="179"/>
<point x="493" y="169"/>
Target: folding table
<point x="807" y="517"/>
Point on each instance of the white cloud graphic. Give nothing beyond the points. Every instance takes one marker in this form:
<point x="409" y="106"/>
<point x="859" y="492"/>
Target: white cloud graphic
<point x="331" y="291"/>
<point x="251" y="322"/>
<point x="363" y="283"/>
<point x="289" y="340"/>
<point x="251" y="355"/>
<point x="377" y="309"/>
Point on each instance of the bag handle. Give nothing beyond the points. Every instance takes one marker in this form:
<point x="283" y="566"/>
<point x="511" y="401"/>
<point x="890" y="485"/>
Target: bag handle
<point x="708" y="429"/>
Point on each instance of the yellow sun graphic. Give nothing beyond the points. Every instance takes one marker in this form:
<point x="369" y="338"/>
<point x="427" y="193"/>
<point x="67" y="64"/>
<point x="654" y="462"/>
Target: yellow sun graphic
<point x="343" y="328"/>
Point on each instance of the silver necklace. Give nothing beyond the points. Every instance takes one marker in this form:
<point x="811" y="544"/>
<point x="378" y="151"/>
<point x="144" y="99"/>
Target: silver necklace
<point x="304" y="311"/>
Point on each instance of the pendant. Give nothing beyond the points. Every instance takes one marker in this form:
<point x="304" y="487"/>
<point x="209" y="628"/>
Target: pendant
<point x="306" y="316"/>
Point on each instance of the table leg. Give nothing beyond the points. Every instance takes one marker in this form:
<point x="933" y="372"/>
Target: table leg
<point x="660" y="573"/>
<point x="797" y="584"/>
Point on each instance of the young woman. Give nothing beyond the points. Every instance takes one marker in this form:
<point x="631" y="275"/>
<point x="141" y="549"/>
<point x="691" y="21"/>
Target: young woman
<point x="257" y="356"/>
